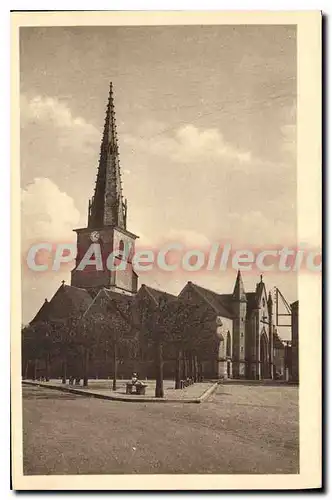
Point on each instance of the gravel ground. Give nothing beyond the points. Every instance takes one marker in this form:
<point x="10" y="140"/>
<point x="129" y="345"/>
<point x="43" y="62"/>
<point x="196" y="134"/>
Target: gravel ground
<point x="240" y="429"/>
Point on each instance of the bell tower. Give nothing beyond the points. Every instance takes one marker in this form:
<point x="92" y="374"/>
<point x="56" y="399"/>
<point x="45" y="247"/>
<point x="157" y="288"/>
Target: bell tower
<point x="106" y="232"/>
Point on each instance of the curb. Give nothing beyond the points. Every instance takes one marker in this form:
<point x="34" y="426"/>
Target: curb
<point x="208" y="392"/>
<point x="265" y="383"/>
<point x="95" y="395"/>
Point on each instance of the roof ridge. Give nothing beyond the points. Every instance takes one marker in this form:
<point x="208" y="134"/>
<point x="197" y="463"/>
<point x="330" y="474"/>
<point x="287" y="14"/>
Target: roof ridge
<point x="205" y="298"/>
<point x="158" y="290"/>
<point x="93" y="301"/>
<point x="148" y="290"/>
<point x="76" y="287"/>
<point x="218" y="305"/>
<point x="151" y="291"/>
<point x="111" y="294"/>
<point x="209" y="290"/>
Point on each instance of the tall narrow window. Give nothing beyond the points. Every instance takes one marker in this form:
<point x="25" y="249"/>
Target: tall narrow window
<point x="121" y="249"/>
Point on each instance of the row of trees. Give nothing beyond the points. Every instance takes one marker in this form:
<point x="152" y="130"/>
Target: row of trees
<point x="184" y="328"/>
<point x="188" y="328"/>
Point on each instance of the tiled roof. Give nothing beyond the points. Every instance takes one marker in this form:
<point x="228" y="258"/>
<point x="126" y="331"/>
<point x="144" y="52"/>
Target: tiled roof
<point x="42" y="313"/>
<point x="227" y="300"/>
<point x="221" y="303"/>
<point x="121" y="303"/>
<point x="119" y="298"/>
<point x="158" y="294"/>
<point x="68" y="301"/>
<point x="79" y="297"/>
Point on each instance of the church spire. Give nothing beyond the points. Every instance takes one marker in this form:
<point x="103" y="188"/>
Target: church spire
<point x="107" y="207"/>
<point x="239" y="293"/>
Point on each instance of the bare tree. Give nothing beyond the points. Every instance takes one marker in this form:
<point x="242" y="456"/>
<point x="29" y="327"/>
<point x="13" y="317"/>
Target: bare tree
<point x="111" y="323"/>
<point x="190" y="329"/>
<point x="152" y="321"/>
<point x="38" y="346"/>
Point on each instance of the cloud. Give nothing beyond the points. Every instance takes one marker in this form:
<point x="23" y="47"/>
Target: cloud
<point x="59" y="145"/>
<point x="194" y="144"/>
<point x="51" y="111"/>
<point x="188" y="144"/>
<point x="255" y="228"/>
<point x="186" y="184"/>
<point x="288" y="133"/>
<point x="188" y="238"/>
<point x="48" y="214"/>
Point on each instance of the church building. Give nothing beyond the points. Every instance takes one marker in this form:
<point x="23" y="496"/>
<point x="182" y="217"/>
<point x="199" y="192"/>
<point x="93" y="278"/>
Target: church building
<point x="244" y="343"/>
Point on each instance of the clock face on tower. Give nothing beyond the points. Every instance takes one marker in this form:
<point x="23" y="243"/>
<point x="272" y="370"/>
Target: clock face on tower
<point x="94" y="236"/>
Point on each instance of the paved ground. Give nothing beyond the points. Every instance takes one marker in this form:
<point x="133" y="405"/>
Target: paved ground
<point x="103" y="387"/>
<point x="240" y="429"/>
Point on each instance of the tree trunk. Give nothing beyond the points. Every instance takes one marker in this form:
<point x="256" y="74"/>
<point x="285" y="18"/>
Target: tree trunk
<point x="199" y="370"/>
<point x="64" y="370"/>
<point x="26" y="372"/>
<point x="47" y="367"/>
<point x="178" y="370"/>
<point x="159" y="393"/>
<point x="115" y="361"/>
<point x="195" y="367"/>
<point x="184" y="366"/>
<point x="190" y="362"/>
<point x="86" y="368"/>
<point x="34" y="374"/>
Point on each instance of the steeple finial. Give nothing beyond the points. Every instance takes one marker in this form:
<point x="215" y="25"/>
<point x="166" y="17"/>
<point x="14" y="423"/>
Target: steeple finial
<point x="107" y="207"/>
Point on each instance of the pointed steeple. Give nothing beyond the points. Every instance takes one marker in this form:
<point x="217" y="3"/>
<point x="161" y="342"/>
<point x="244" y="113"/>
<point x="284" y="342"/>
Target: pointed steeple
<point x="259" y="287"/>
<point x="107" y="207"/>
<point x="270" y="304"/>
<point x="239" y="292"/>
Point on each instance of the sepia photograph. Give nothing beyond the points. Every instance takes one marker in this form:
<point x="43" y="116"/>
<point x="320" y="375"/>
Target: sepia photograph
<point x="164" y="250"/>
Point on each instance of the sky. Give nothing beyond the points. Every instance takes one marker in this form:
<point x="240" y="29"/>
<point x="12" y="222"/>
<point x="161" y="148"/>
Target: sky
<point x="206" y="120"/>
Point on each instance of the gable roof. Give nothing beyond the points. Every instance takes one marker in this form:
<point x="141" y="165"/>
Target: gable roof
<point x="42" y="313"/>
<point x="121" y="304"/>
<point x="156" y="294"/>
<point x="68" y="301"/>
<point x="79" y="297"/>
<point x="121" y="299"/>
<point x="221" y="303"/>
<point x="227" y="301"/>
